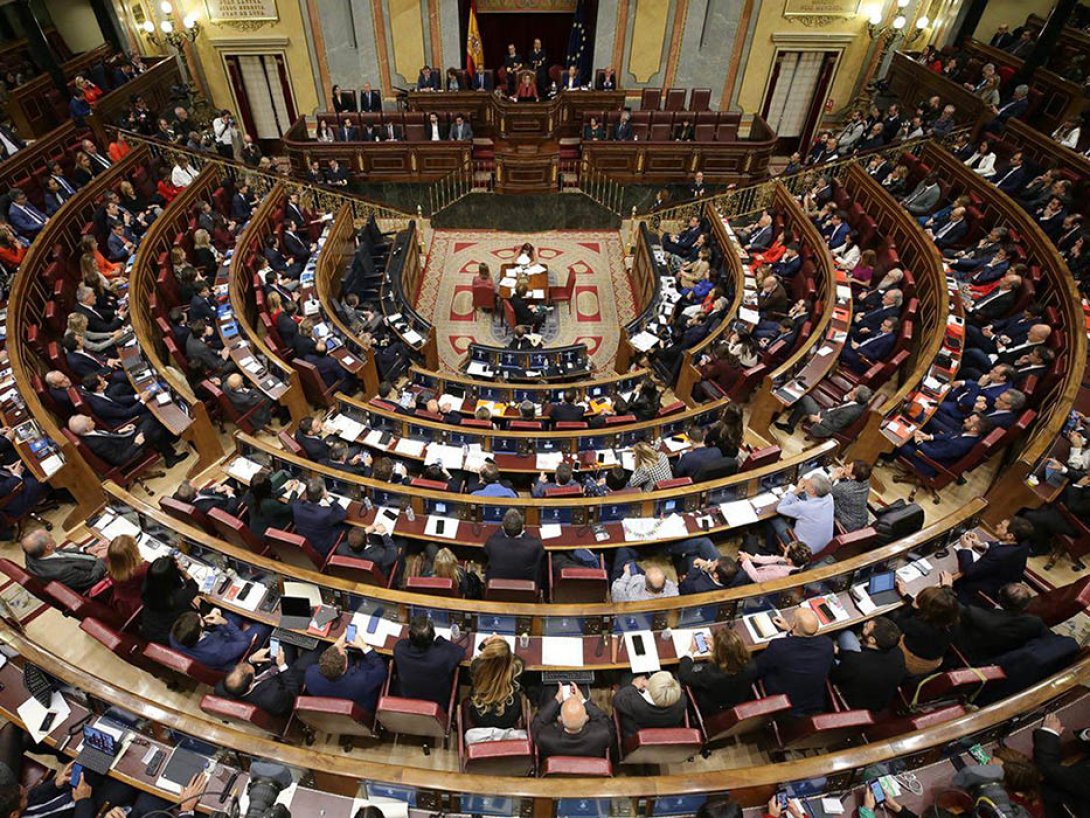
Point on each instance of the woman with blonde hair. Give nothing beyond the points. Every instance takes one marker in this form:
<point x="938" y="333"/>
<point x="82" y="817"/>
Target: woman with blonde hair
<point x="205" y="256"/>
<point x="494" y="685"/>
<point x="723" y="681"/>
<point x="692" y="273"/>
<point x="92" y="341"/>
<point x="109" y="269"/>
<point x="651" y="466"/>
<point x="126" y="569"/>
<point x="444" y="564"/>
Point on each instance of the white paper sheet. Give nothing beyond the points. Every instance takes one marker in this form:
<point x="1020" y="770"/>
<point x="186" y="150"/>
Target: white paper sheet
<point x="562" y="651"/>
<point x="550" y="531"/>
<point x="409" y="447"/>
<point x="449" y="457"/>
<point x="347" y="428"/>
<point x="374" y="439"/>
<point x="649" y="662"/>
<point x="548" y="461"/>
<point x="32" y="714"/>
<point x="754" y="634"/>
<point x="683" y="639"/>
<point x="450" y="527"/>
<point x="738" y="513"/>
<point x="120" y="525"/>
<point x="383" y="628"/>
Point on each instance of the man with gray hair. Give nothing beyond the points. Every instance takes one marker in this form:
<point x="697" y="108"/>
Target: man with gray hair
<point x="867" y="324"/>
<point x="807" y="508"/>
<point x="68" y="566"/>
<point x="1015" y="108"/>
<point x="827" y="422"/>
<point x="97" y="320"/>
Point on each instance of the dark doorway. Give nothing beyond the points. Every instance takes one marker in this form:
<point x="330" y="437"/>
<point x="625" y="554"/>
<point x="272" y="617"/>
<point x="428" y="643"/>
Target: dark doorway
<point x="520" y="27"/>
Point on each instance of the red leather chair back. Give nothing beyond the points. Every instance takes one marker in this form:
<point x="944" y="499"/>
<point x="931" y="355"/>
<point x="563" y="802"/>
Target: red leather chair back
<point x="231" y="710"/>
<point x="1060" y="604"/>
<point x="511" y="590"/>
<point x="341" y="717"/>
<point x="576" y="767"/>
<point x="293" y="549"/>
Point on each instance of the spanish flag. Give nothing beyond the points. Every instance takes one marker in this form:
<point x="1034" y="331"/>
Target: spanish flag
<point x="474" y="49"/>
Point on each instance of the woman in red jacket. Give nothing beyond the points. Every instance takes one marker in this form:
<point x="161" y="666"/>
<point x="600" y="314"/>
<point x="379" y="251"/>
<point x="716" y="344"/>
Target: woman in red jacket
<point x="11" y="249"/>
<point x="126" y="570"/>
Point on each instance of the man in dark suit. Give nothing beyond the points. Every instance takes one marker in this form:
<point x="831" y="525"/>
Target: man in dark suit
<point x="868" y="323"/>
<point x="309" y="436"/>
<point x="623" y="131"/>
<point x="245" y="398"/>
<point x="512" y="553"/>
<point x="568" y="410"/>
<point x="1066" y="786"/>
<point x="945" y="448"/>
<point x="869" y="669"/>
<point x="572" y="728"/>
<point x="201" y="306"/>
<point x="967" y="397"/>
<point x="1002" y="37"/>
<point x="650" y="702"/>
<point x="789" y="264"/>
<point x="482" y="80"/>
<point x="336" y="175"/>
<point x="391" y="132"/>
<point x="213" y="640"/>
<point x="952" y="232"/>
<point x="1014" y="177"/>
<point x="998" y="303"/>
<point x="798" y="664"/>
<point x="70" y="567"/>
<point x="296" y="246"/>
<point x="110" y="409"/>
<point x="243" y="203"/>
<point x="340" y="676"/>
<point x="198" y="349"/>
<point x="983" y="633"/>
<point x="859" y="356"/>
<point x="697" y="458"/>
<point x="1003" y="560"/>
<point x="273" y="689"/>
<point x="333" y="374"/>
<point x="606" y="81"/>
<point x="346" y="131"/>
<point x="125" y="444"/>
<point x="427" y="80"/>
<point x="286" y="327"/>
<point x="1014" y="108"/>
<point x="318" y="517"/>
<point x="681" y="242"/>
<point x="827" y="422"/>
<point x="425" y="663"/>
<point x="985" y="270"/>
<point x="220" y="496"/>
<point x="370" y="100"/>
<point x="54" y="196"/>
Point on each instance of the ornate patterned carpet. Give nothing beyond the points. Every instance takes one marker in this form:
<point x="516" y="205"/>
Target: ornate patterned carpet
<point x="603" y="294"/>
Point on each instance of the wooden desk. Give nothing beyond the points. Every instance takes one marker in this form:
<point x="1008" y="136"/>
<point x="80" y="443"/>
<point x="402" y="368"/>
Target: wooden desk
<point x="537" y="282"/>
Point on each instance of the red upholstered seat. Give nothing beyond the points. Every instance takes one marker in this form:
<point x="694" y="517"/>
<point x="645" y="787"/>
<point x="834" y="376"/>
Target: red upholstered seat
<point x="851" y="543"/>
<point x="657" y="745"/>
<point x="232" y="529"/>
<point x="650" y="99"/>
<point x="436" y="586"/>
<point x="824" y="729"/>
<point x="79" y="606"/>
<point x="673" y="483"/>
<point x="339" y="717"/>
<point x="355" y="569"/>
<point x="760" y="457"/>
<point x="700" y="99"/>
<point x="294" y="549"/>
<point x="1060" y="604"/>
<point x="511" y="590"/>
<point x="505" y="757"/>
<point x="24" y="578"/>
<point x="952" y="685"/>
<point x="578" y="584"/>
<point x="124" y="645"/>
<point x="899" y="725"/>
<point x="231" y="710"/>
<point x="180" y="664"/>
<point x="575" y="766"/>
<point x="414" y="717"/>
<point x="742" y="719"/>
<point x="186" y="512"/>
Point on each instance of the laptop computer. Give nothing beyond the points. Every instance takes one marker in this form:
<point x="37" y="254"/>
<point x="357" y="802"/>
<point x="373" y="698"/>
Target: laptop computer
<point x="100" y="748"/>
<point x="295" y="613"/>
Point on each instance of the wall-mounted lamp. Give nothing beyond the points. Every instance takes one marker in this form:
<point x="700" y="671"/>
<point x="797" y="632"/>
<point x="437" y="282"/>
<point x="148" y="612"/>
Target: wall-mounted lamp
<point x="191" y="28"/>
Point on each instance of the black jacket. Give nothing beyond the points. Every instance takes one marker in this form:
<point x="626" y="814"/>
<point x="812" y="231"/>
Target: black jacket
<point x="714" y="689"/>
<point x="428" y="673"/>
<point x="514" y="557"/>
<point x="984" y="633"/>
<point x="637" y="713"/>
<point x="552" y="740"/>
<point x="798" y="666"/>
<point x="869" y="678"/>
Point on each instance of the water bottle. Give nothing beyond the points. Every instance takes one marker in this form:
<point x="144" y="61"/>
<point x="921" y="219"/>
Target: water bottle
<point x="455" y="632"/>
<point x="367" y="504"/>
<point x="524" y="640"/>
<point x="410" y="515"/>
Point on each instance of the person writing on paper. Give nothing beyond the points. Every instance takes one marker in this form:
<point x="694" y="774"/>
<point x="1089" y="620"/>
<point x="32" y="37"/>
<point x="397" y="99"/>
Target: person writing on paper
<point x="425" y="663"/>
<point x="798" y="664"/>
<point x="870" y="666"/>
<point x="581" y="729"/>
<point x="213" y="640"/>
<point x="495" y="696"/>
<point x="338" y="676"/>
<point x="650" y="701"/>
<point x="726" y="679"/>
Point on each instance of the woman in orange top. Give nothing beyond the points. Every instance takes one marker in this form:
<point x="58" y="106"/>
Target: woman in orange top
<point x="119" y="147"/>
<point x="108" y="269"/>
<point x="90" y="91"/>
<point x="11" y="250"/>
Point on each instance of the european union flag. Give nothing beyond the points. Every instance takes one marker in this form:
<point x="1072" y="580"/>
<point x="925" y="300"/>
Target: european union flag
<point x="579" y="48"/>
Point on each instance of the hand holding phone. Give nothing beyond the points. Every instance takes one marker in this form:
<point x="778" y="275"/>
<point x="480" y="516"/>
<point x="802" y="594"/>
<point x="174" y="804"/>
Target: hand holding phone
<point x="350" y="634"/>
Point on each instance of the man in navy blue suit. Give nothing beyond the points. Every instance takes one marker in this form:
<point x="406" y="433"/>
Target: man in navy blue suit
<point x="703" y="455"/>
<point x="110" y="409"/>
<point x="985" y="270"/>
<point x="333" y="374"/>
<point x="357" y="678"/>
<point x="214" y="641"/>
<point x="1015" y="108"/>
<point x="242" y="204"/>
<point x="1004" y="413"/>
<point x="23" y="216"/>
<point x="680" y="242"/>
<point x="798" y="664"/>
<point x="963" y="399"/>
<point x="1014" y="177"/>
<point x="1003" y="560"/>
<point x="866" y="324"/>
<point x="789" y="264"/>
<point x="318" y="517"/>
<point x="945" y="448"/>
<point x="838" y="231"/>
<point x="953" y="231"/>
<point x="859" y="356"/>
<point x="426" y="663"/>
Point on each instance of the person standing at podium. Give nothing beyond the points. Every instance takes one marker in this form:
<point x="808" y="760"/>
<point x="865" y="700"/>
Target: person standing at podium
<point x="513" y="63"/>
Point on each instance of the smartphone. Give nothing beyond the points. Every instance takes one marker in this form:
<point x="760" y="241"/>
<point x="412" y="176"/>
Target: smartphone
<point x="979" y="754"/>
<point x="350" y="633"/>
<point x="274" y="648"/>
<point x="877" y="791"/>
<point x="781" y="799"/>
<point x="47" y="722"/>
<point x="701" y="642"/>
<point x="637" y="645"/>
<point x="77" y="771"/>
<point x="372" y="623"/>
<point x="440" y="525"/>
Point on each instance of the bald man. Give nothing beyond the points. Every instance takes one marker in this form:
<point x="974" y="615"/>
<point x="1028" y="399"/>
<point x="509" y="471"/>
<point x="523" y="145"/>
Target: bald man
<point x="581" y="729"/>
<point x="631" y="583"/>
<point x="798" y="664"/>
